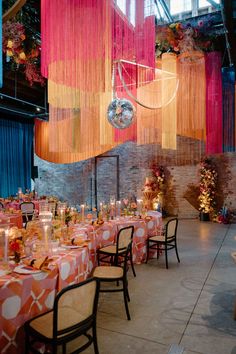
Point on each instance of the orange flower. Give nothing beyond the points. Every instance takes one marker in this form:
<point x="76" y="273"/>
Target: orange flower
<point x="22" y="56"/>
<point x="9" y="53"/>
<point x="9" y="44"/>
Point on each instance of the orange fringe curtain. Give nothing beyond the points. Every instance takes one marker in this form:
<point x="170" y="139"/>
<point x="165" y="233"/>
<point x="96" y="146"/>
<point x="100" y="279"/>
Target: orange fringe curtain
<point x="150" y="94"/>
<point x="169" y="111"/>
<point x="42" y="140"/>
<point x="78" y="64"/>
<point x="191" y="97"/>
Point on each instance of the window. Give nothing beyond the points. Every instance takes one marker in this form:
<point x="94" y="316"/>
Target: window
<point x="122" y="5"/>
<point x="148" y="8"/>
<point x="205" y="3"/>
<point x="180" y="6"/>
<point x="132" y="12"/>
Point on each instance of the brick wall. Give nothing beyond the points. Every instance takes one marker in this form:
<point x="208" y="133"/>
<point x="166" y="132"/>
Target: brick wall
<point x="75" y="183"/>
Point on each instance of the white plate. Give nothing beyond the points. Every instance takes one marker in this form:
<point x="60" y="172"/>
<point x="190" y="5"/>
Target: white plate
<point x="24" y="269"/>
<point x="4" y="272"/>
<point x="71" y="246"/>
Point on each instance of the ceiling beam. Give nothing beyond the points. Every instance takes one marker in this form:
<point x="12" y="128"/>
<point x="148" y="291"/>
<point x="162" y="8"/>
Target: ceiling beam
<point x="229" y="26"/>
<point x="9" y="14"/>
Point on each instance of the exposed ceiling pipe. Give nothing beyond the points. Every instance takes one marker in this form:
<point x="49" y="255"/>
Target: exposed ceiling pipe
<point x="22" y="101"/>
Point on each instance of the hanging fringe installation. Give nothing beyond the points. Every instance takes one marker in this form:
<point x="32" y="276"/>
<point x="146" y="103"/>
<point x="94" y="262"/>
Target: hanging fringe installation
<point x="228" y="80"/>
<point x="214" y="136"/>
<point x="169" y="112"/>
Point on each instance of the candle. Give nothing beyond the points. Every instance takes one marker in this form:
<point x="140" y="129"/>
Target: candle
<point x="82" y="212"/>
<point x="6" y="239"/>
<point x="101" y="209"/>
<point x="112" y="209"/>
<point x="118" y="205"/>
<point x="139" y="206"/>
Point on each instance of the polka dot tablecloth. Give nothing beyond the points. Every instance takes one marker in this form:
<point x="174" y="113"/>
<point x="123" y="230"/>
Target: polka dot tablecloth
<point x="24" y="296"/>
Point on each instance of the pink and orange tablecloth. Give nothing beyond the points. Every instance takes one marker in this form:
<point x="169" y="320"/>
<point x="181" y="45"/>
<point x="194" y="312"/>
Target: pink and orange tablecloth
<point x="106" y="234"/>
<point x="24" y="296"/>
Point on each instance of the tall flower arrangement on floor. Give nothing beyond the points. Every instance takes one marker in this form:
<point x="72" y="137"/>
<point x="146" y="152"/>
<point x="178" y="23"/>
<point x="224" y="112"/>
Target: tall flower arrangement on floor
<point x="208" y="179"/>
<point x="153" y="187"/>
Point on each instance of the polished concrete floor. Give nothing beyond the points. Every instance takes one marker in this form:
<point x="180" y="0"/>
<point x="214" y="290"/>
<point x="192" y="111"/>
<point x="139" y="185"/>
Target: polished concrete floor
<point x="186" y="309"/>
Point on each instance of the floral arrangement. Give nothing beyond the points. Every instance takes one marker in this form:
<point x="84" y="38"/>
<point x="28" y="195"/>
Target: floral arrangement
<point x="153" y="187"/>
<point x="129" y="206"/>
<point x="180" y="37"/>
<point x="208" y="179"/>
<point x="16" y="247"/>
<point x="22" y="52"/>
<point x="223" y="216"/>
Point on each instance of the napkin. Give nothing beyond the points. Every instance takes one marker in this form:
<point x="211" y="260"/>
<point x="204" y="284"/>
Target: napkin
<point x="39" y="263"/>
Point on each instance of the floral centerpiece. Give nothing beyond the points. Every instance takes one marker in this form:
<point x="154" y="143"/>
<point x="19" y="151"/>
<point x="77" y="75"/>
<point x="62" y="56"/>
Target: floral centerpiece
<point x="208" y="179"/>
<point x="129" y="206"/>
<point x="16" y="247"/>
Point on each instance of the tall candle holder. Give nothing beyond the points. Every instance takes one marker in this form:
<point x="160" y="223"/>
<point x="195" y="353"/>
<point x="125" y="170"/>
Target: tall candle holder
<point x="101" y="209"/>
<point x="118" y="208"/>
<point x="112" y="210"/>
<point x="82" y="208"/>
<point x="139" y="206"/>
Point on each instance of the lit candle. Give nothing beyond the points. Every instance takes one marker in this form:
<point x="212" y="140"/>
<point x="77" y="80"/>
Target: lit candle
<point x="82" y="212"/>
<point x="101" y="209"/>
<point x="6" y="239"/>
<point x="45" y="229"/>
<point x="118" y="205"/>
<point x="139" y="206"/>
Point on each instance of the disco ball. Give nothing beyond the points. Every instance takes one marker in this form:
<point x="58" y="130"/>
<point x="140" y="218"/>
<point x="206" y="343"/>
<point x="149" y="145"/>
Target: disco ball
<point x="120" y="113"/>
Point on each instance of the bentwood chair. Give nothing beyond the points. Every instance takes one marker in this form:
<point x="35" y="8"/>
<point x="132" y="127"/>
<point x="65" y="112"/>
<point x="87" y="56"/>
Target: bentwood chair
<point x="115" y="274"/>
<point x="166" y="241"/>
<point x="27" y="209"/>
<point x="65" y="328"/>
<point x="114" y="254"/>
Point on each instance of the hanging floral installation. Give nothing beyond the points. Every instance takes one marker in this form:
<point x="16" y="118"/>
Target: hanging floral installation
<point x="170" y="38"/>
<point x="21" y="50"/>
<point x="208" y="180"/>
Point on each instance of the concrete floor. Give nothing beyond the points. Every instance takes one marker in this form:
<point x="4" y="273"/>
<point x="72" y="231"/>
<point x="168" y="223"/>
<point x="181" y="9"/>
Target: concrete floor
<point x="189" y="305"/>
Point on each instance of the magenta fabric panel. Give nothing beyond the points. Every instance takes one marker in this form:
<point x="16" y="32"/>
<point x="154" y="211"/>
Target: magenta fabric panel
<point x="214" y="118"/>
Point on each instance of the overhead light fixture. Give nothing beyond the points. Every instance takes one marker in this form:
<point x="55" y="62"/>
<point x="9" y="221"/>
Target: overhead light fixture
<point x="38" y="109"/>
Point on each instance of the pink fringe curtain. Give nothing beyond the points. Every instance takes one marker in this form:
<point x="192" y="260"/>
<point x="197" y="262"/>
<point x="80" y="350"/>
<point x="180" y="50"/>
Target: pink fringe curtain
<point x="214" y="135"/>
<point x="76" y="58"/>
<point x="135" y="44"/>
<point x="80" y="41"/>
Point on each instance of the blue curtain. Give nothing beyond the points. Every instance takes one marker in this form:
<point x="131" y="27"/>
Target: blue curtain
<point x="16" y="139"/>
<point x="1" y="43"/>
<point x="228" y="88"/>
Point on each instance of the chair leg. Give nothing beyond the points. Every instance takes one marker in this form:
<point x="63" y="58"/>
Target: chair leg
<point x="95" y="342"/>
<point x="158" y="250"/>
<point x="98" y="259"/>
<point x="127" y="292"/>
<point x="27" y="346"/>
<point x="126" y="299"/>
<point x="147" y="251"/>
<point x="166" y="257"/>
<point x="176" y="251"/>
<point x="132" y="264"/>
